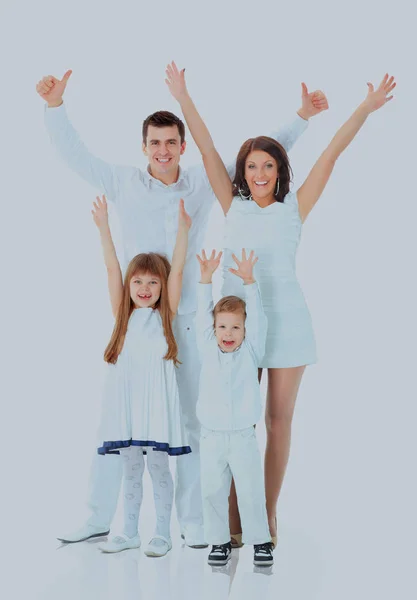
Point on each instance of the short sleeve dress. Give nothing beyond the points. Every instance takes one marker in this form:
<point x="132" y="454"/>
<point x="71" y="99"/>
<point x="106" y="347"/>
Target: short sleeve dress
<point x="141" y="401"/>
<point x="273" y="233"/>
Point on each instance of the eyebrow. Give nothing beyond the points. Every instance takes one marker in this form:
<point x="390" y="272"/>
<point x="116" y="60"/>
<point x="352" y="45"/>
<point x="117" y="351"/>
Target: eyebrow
<point x="168" y="140"/>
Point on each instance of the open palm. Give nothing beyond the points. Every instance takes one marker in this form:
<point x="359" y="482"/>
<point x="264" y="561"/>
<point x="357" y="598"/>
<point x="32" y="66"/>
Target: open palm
<point x="245" y="266"/>
<point x="377" y="98"/>
<point x="208" y="265"/>
<point x="175" y="81"/>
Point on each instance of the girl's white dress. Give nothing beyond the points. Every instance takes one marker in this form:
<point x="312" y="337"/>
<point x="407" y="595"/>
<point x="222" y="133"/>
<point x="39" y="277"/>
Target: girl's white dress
<point x="141" y="403"/>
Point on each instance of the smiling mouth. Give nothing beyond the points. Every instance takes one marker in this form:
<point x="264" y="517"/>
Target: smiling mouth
<point x="228" y="344"/>
<point x="163" y="161"/>
<point x="261" y="183"/>
<point x="145" y="296"/>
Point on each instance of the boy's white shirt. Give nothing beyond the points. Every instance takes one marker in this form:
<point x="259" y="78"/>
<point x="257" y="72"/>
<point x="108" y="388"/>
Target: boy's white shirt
<point x="229" y="392"/>
<point x="146" y="207"/>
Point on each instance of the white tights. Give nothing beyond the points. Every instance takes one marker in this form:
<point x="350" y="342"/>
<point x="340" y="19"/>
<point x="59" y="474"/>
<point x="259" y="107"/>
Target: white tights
<point x="163" y="488"/>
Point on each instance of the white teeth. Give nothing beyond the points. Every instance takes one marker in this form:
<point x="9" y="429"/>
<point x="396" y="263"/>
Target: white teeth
<point x="261" y="182"/>
<point x="163" y="160"/>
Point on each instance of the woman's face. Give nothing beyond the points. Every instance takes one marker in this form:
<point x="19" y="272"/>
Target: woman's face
<point x="261" y="174"/>
<point x="145" y="290"/>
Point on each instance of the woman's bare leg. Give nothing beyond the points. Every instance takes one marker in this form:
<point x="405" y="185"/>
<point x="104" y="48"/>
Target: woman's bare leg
<point x="283" y="385"/>
<point x="234" y="517"/>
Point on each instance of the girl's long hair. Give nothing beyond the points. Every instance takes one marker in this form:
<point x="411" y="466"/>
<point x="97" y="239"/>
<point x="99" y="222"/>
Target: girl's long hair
<point x="274" y="149"/>
<point x="152" y="264"/>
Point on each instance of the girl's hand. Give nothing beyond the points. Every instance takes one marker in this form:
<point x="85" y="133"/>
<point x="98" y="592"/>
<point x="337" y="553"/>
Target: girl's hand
<point x="208" y="265"/>
<point x="184" y="219"/>
<point x="176" y="81"/>
<point x="245" y="266"/>
<point x="99" y="212"/>
<point x="313" y="103"/>
<point x="377" y="98"/>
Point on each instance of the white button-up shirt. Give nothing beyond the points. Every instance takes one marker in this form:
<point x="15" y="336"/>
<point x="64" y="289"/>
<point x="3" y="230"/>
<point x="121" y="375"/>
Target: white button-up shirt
<point x="229" y="394"/>
<point x="146" y="207"/>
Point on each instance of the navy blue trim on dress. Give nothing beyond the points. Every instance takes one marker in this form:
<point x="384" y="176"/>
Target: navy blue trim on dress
<point x="114" y="447"/>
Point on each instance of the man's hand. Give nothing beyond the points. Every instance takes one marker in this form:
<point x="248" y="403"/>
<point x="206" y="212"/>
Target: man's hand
<point x="52" y="89"/>
<point x="208" y="265"/>
<point x="312" y="104"/>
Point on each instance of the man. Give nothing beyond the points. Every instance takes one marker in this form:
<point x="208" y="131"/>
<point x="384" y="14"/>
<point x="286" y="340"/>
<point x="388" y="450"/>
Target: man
<point x="147" y="204"/>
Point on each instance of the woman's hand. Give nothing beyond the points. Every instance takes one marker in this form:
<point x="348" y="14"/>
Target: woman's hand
<point x="208" y="265"/>
<point x="99" y="212"/>
<point x="377" y="98"/>
<point x="184" y="219"/>
<point x="312" y="104"/>
<point x="176" y="82"/>
<point x="245" y="267"/>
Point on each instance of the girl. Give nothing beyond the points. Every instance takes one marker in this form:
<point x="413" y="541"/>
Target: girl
<point x="141" y="408"/>
<point x="263" y="214"/>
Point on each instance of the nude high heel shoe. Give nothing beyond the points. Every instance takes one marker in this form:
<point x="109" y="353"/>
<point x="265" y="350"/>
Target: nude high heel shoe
<point x="236" y="540"/>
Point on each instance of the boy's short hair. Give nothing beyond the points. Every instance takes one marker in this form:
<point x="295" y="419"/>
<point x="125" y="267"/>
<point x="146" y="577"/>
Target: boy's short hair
<point x="230" y="304"/>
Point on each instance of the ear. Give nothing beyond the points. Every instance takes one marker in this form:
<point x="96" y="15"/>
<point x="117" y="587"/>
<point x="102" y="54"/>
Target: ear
<point x="183" y="147"/>
<point x="144" y="149"/>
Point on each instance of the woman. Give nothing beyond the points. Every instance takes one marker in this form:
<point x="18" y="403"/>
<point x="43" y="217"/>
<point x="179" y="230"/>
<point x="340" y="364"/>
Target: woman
<point x="262" y="214"/>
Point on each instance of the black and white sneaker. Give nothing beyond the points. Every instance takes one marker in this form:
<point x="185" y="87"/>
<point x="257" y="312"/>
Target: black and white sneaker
<point x="220" y="554"/>
<point x="262" y="556"/>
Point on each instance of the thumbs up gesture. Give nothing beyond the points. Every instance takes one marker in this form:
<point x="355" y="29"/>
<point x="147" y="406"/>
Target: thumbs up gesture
<point x="52" y="89"/>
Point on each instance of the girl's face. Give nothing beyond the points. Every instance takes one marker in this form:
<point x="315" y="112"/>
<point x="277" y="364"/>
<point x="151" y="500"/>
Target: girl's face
<point x="145" y="290"/>
<point x="229" y="329"/>
<point x="261" y="174"/>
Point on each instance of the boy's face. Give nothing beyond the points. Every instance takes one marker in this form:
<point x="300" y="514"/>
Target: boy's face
<point x="229" y="329"/>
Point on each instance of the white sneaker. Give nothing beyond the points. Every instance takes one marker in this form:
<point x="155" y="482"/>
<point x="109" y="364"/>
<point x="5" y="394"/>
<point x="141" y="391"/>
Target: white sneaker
<point x="85" y="533"/>
<point x="119" y="543"/>
<point x="193" y="543"/>
<point x="158" y="546"/>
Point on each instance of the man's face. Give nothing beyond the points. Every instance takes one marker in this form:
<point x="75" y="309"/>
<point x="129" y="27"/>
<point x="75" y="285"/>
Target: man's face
<point x="163" y="148"/>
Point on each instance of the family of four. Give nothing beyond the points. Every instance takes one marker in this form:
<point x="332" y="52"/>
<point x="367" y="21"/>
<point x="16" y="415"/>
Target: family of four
<point x="182" y="375"/>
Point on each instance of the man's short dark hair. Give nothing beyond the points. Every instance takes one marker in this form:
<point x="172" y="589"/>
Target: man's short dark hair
<point x="163" y="118"/>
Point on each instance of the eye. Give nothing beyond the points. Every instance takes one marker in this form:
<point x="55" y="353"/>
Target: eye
<point x="154" y="282"/>
<point x="172" y="142"/>
<point x="269" y="166"/>
<point x="236" y="327"/>
<point x="154" y="143"/>
<point x="251" y="166"/>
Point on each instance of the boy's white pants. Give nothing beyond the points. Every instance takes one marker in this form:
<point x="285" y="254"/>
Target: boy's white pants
<point x="223" y="455"/>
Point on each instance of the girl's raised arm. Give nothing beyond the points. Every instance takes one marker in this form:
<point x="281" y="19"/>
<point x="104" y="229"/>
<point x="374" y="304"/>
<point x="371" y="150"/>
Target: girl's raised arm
<point x="178" y="259"/>
<point x="312" y="188"/>
<point x="114" y="273"/>
<point x="215" y="168"/>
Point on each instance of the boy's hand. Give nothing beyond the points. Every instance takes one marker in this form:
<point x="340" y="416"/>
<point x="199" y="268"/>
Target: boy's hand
<point x="184" y="218"/>
<point x="99" y="212"/>
<point x="245" y="267"/>
<point x="208" y="265"/>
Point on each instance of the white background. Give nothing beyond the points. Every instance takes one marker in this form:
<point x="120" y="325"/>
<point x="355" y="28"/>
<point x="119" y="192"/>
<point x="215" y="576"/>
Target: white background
<point x="347" y="510"/>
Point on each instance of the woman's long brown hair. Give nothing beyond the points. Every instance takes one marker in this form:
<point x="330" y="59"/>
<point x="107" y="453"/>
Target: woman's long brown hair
<point x="143" y="264"/>
<point x="274" y="149"/>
